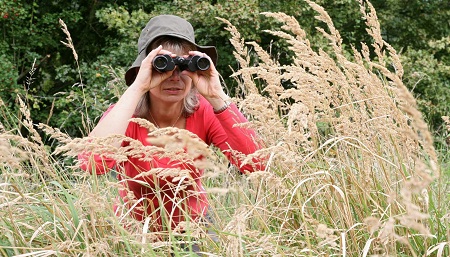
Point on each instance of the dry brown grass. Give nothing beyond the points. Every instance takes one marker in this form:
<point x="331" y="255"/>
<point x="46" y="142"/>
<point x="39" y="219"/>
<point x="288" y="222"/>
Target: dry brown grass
<point x="350" y="150"/>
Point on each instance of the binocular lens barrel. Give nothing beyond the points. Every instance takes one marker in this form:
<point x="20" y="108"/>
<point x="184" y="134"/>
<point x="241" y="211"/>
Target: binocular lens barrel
<point x="203" y="63"/>
<point x="163" y="63"/>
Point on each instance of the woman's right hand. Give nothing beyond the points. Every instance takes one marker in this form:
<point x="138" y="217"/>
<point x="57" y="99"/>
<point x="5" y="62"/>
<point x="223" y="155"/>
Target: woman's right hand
<point x="116" y="122"/>
<point x="147" y="77"/>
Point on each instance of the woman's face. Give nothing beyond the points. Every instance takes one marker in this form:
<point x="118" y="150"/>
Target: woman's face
<point x="175" y="88"/>
<point x="172" y="90"/>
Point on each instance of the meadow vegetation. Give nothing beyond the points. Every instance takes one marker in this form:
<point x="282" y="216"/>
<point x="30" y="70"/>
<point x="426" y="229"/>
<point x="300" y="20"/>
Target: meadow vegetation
<point x="352" y="168"/>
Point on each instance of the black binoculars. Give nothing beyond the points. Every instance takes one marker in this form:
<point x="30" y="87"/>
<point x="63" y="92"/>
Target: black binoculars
<point x="165" y="62"/>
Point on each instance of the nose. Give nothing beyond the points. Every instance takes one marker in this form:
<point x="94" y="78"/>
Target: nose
<point x="175" y="74"/>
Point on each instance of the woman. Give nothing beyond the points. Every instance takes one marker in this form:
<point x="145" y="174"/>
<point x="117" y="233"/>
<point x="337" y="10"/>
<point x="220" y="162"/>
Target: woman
<point x="190" y="100"/>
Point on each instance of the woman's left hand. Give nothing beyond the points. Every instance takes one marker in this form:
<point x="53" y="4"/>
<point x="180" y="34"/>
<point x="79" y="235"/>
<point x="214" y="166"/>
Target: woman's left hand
<point x="208" y="83"/>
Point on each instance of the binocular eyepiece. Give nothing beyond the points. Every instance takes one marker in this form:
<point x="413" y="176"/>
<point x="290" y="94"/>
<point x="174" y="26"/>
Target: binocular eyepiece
<point x="165" y="62"/>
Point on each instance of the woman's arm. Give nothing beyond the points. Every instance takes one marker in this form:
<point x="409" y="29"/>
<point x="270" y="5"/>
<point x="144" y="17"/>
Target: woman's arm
<point x="116" y="122"/>
<point x="222" y="131"/>
<point x="234" y="141"/>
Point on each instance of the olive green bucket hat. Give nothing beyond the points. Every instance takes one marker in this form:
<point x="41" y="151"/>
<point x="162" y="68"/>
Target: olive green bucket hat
<point x="165" y="25"/>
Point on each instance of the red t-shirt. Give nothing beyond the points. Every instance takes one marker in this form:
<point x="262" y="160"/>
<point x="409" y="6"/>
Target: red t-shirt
<point x="150" y="191"/>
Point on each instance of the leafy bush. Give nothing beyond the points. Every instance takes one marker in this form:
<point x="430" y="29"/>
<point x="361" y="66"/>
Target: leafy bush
<point x="428" y="77"/>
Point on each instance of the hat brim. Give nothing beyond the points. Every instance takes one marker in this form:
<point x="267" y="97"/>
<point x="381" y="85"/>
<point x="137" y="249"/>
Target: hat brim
<point x="131" y="73"/>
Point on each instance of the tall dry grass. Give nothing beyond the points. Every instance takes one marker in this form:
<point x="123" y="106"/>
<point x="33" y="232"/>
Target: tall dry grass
<point x="352" y="159"/>
<point x="351" y="166"/>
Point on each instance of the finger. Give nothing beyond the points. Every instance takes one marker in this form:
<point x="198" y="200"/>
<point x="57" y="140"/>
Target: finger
<point x="161" y="77"/>
<point x="147" y="62"/>
<point x="212" y="67"/>
<point x="157" y="51"/>
<point x="153" y="53"/>
<point x="200" y="54"/>
<point x="191" y="74"/>
<point x="163" y="51"/>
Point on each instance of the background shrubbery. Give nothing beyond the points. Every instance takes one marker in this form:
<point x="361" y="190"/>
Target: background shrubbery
<point x="105" y="35"/>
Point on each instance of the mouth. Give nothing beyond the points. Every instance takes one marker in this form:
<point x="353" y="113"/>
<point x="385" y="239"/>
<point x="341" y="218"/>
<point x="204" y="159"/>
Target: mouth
<point x="173" y="90"/>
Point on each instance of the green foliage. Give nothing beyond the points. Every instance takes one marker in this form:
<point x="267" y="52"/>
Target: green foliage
<point x="8" y="79"/>
<point x="412" y="23"/>
<point x="105" y="34"/>
<point x="31" y="41"/>
<point x="429" y="79"/>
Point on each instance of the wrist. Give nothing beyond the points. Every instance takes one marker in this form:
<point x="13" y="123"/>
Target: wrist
<point x="137" y="89"/>
<point x="223" y="107"/>
<point x="217" y="100"/>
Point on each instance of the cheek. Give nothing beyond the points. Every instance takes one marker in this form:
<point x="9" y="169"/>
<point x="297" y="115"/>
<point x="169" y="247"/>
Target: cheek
<point x="154" y="90"/>
<point x="187" y="81"/>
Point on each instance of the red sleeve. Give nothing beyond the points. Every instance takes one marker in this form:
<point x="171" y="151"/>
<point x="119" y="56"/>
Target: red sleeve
<point x="234" y="141"/>
<point x="97" y="163"/>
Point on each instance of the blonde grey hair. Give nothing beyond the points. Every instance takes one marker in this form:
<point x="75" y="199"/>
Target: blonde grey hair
<point x="191" y="101"/>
